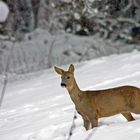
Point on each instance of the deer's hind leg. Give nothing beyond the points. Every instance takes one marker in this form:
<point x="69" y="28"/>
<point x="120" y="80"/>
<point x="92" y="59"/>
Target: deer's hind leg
<point x="128" y="116"/>
<point x="94" y="120"/>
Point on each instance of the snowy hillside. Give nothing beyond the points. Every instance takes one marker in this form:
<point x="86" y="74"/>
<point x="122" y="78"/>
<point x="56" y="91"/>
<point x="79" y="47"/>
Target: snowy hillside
<point x="35" y="107"/>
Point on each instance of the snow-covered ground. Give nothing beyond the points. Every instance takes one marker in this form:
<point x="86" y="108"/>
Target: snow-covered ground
<point x="37" y="108"/>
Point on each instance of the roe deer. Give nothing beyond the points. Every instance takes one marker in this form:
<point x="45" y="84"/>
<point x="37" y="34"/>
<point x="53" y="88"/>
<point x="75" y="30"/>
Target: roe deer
<point x="92" y="105"/>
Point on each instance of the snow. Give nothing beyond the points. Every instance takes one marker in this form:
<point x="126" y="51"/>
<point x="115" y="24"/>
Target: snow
<point x="77" y="16"/>
<point x="4" y="11"/>
<point x="35" y="106"/>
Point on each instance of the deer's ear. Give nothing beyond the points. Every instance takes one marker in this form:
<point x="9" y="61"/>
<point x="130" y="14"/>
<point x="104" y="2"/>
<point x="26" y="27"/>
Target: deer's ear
<point x="58" y="70"/>
<point x="71" y="68"/>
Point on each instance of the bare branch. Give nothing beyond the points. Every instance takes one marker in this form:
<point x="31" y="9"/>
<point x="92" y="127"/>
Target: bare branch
<point x="6" y="75"/>
<point x="73" y="125"/>
<point x="120" y="19"/>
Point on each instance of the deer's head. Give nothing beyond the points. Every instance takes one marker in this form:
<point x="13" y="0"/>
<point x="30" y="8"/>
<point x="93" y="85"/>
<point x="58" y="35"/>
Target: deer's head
<point x="67" y="77"/>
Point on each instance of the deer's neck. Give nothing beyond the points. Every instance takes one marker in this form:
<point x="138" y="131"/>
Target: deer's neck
<point x="75" y="93"/>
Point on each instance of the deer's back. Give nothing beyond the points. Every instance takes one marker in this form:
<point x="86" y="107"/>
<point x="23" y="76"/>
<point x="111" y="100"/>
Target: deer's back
<point x="113" y="101"/>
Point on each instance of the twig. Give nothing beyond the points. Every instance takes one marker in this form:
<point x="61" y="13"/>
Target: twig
<point x="73" y="125"/>
<point x="128" y="6"/>
<point x="50" y="54"/>
<point x="61" y="14"/>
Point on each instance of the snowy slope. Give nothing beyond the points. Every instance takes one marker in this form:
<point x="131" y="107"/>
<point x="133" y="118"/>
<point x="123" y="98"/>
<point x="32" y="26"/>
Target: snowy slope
<point x="36" y="107"/>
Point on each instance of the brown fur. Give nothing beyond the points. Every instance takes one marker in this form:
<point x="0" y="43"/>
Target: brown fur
<point x="92" y="105"/>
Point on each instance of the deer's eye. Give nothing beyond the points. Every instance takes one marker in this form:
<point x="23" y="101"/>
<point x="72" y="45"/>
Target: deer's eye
<point x="68" y="77"/>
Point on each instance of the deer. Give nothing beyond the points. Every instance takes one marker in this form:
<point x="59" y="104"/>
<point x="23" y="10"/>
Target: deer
<point x="95" y="104"/>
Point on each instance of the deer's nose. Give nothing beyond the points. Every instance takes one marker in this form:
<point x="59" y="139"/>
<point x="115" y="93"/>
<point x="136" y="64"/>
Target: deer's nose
<point x="63" y="84"/>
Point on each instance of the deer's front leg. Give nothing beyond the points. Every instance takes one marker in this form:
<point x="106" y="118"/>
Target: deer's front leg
<point x="86" y="121"/>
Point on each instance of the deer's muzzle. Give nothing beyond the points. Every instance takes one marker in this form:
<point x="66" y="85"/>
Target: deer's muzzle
<point x="63" y="85"/>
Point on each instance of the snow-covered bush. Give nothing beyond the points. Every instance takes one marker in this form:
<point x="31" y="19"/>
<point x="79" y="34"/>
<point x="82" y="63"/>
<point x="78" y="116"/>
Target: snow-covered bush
<point x="40" y="50"/>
